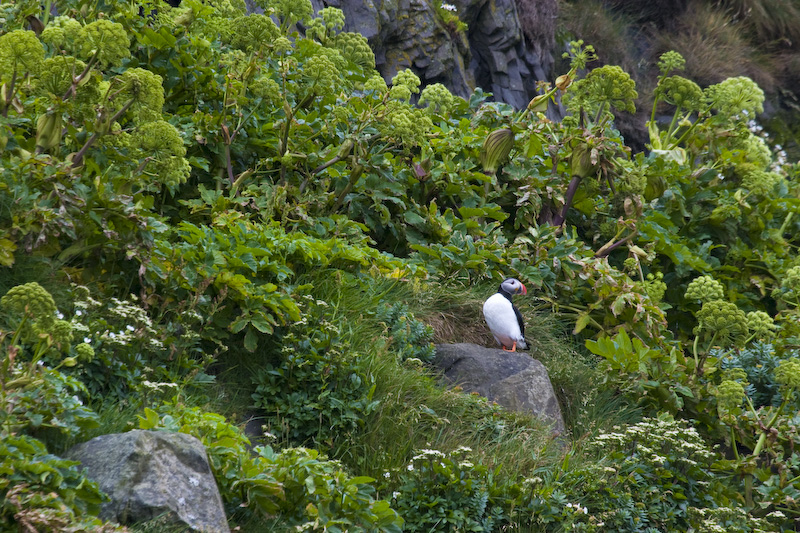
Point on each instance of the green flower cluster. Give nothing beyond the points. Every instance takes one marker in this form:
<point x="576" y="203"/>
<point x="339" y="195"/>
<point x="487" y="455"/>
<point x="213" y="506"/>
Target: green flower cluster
<point x="354" y="47"/>
<point x="734" y="96"/>
<point x="329" y="21"/>
<point x="289" y="11"/>
<point x="788" y="373"/>
<point x="761" y="325"/>
<point x="20" y="51"/>
<point x="84" y="352"/>
<point x="55" y="79"/>
<point x="145" y="90"/>
<point x="630" y="265"/>
<point x="761" y="182"/>
<point x="438" y="98"/>
<point x="408" y="126"/>
<point x="654" y="286"/>
<point x="60" y="332"/>
<point x="722" y="320"/>
<point x="579" y="55"/>
<point x="680" y="92"/>
<point x="32" y="300"/>
<point x="670" y="61"/>
<point x="161" y="141"/>
<point x="251" y="32"/>
<point x="608" y="84"/>
<point x="728" y="208"/>
<point x="754" y="151"/>
<point x="377" y="84"/>
<point x="281" y="45"/>
<point x="107" y="39"/>
<point x="730" y="395"/>
<point x="404" y="84"/>
<point x="791" y="280"/>
<point x="322" y="74"/>
<point x="61" y="32"/>
<point x="632" y="180"/>
<point x="266" y="88"/>
<point x="704" y="289"/>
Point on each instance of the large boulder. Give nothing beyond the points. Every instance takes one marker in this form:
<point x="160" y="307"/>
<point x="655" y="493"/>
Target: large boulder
<point x="154" y="474"/>
<point x="514" y="380"/>
<point x="498" y="53"/>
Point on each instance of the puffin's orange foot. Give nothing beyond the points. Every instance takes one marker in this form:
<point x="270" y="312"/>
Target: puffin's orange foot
<point x="513" y="348"/>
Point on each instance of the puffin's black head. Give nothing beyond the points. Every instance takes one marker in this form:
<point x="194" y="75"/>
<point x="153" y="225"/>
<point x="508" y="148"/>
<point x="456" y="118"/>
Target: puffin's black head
<point x="513" y="286"/>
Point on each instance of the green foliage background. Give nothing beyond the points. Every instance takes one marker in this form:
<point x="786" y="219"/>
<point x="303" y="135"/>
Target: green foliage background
<point x="208" y="214"/>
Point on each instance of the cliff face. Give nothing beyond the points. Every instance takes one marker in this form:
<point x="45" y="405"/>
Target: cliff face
<point x="494" y="53"/>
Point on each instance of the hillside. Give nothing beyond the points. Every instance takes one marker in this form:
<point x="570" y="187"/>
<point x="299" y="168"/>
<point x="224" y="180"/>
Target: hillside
<point x="210" y="214"/>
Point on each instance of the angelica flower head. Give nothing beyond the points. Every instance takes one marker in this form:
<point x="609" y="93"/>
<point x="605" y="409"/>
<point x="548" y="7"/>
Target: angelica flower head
<point x="251" y="32"/>
<point x="607" y="84"/>
<point x="723" y="321"/>
<point x="735" y="96"/>
<point x="438" y="98"/>
<point x="680" y="92"/>
<point x="704" y="289"/>
<point x="289" y="11"/>
<point x="61" y="32"/>
<point x="32" y="300"/>
<point x="107" y="39"/>
<point x="161" y="141"/>
<point x="84" y="352"/>
<point x="761" y="325"/>
<point x="730" y="395"/>
<point x="761" y="182"/>
<point x="354" y="47"/>
<point x="670" y="61"/>
<point x="580" y="55"/>
<point x="322" y="74"/>
<point x="788" y="373"/>
<point x="20" y="51"/>
<point x="791" y="280"/>
<point x="404" y="84"/>
<point x="377" y="84"/>
<point x="146" y="90"/>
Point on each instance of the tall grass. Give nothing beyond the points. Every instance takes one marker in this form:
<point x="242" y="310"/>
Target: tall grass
<point x="417" y="411"/>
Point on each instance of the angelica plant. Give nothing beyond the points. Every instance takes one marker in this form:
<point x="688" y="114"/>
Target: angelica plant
<point x="21" y="53"/>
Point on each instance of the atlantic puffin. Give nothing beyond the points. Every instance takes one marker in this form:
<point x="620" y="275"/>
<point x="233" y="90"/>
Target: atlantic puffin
<point x="503" y="317"/>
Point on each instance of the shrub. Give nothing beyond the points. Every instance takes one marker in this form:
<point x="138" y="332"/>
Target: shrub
<point x="314" y="389"/>
<point x="445" y="492"/>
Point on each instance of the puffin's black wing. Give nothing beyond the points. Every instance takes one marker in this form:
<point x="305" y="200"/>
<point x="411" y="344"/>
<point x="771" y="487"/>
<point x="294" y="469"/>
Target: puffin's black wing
<point x="519" y="320"/>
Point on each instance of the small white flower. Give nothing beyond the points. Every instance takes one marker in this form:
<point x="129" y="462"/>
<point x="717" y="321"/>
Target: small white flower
<point x="395" y="494"/>
<point x="59" y="315"/>
<point x="449" y="7"/>
<point x="87" y="340"/>
<point x="410" y="468"/>
<point x="130" y="328"/>
<point x="78" y="312"/>
<point x="387" y="475"/>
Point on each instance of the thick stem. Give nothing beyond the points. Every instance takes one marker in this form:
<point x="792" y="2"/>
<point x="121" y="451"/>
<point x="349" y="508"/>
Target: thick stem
<point x="607" y="249"/>
<point x="10" y="96"/>
<point x="571" y="190"/>
<point x="78" y="159"/>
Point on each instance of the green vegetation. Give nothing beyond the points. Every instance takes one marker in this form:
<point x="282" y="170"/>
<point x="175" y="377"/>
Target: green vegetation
<point x="208" y="215"/>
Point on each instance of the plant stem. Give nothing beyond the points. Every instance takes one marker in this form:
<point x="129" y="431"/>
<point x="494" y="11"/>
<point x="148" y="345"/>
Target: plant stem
<point x="571" y="190"/>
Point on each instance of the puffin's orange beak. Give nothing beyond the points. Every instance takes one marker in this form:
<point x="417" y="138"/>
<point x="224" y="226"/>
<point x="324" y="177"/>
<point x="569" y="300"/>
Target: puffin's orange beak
<point x="524" y="290"/>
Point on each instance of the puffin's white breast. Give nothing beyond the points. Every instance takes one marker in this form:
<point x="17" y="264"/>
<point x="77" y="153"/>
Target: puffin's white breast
<point x="502" y="321"/>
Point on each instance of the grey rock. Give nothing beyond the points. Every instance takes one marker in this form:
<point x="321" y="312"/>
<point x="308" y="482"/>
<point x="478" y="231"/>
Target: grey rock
<point x="514" y="380"/>
<point x="151" y="474"/>
<point x="495" y="55"/>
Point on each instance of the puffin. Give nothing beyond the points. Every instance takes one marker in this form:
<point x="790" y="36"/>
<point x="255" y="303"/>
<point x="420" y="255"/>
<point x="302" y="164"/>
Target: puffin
<point x="503" y="317"/>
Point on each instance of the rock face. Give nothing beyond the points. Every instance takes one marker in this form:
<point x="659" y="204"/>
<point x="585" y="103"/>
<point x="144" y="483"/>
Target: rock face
<point x="495" y="54"/>
<point x="151" y="473"/>
<point x="514" y="380"/>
